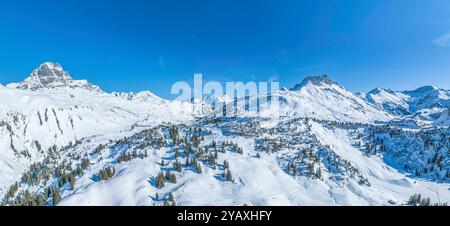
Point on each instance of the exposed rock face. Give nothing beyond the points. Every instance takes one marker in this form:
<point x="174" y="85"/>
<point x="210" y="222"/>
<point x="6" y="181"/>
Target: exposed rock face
<point x="50" y="76"/>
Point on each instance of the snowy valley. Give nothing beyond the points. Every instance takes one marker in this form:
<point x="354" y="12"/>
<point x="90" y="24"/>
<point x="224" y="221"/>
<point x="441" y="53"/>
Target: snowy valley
<point x="68" y="142"/>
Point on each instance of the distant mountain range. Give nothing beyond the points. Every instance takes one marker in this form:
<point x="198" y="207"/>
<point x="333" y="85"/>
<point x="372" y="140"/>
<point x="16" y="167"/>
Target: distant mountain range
<point x="408" y="102"/>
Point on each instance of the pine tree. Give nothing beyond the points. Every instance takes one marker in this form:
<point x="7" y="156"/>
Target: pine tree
<point x="193" y="163"/>
<point x="12" y="190"/>
<point x="109" y="173"/>
<point x="100" y="175"/>
<point x="56" y="197"/>
<point x="294" y="171"/>
<point x="199" y="168"/>
<point x="39" y="201"/>
<point x="161" y="183"/>
<point x="228" y="176"/>
<point x="311" y="168"/>
<point x="167" y="177"/>
<point x="171" y="198"/>
<point x="160" y="180"/>
<point x="72" y="182"/>
<point x="319" y="173"/>
<point x="212" y="160"/>
<point x="177" y="166"/>
<point x="226" y="165"/>
<point x="173" y="178"/>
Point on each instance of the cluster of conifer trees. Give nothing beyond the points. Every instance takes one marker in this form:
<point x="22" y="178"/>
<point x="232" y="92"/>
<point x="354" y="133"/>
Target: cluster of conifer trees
<point x="127" y="156"/>
<point x="106" y="173"/>
<point x="161" y="179"/>
<point x="418" y="200"/>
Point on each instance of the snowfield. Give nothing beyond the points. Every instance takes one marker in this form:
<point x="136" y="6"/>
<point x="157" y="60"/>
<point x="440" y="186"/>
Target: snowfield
<point x="257" y="181"/>
<point x="66" y="142"/>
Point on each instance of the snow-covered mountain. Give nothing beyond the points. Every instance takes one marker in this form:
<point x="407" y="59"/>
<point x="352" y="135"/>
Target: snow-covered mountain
<point x="50" y="108"/>
<point x="316" y="97"/>
<point x="67" y="142"/>
<point x="408" y="102"/>
<point x="386" y="99"/>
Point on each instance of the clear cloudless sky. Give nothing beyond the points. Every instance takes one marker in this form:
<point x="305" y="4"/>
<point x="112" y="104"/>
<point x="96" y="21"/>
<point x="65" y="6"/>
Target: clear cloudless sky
<point x="139" y="45"/>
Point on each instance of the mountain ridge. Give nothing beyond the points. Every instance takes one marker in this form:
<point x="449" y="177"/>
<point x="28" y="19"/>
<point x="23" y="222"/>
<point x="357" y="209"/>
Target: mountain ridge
<point x="408" y="102"/>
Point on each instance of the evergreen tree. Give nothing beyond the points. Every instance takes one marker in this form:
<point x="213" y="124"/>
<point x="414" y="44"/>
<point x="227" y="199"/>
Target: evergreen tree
<point x="228" y="176"/>
<point x="72" y="181"/>
<point x="198" y="168"/>
<point x="319" y="173"/>
<point x="294" y="171"/>
<point x="173" y="178"/>
<point x="160" y="180"/>
<point x="171" y="198"/>
<point x="177" y="166"/>
<point x="311" y="168"/>
<point x="12" y="190"/>
<point x="56" y="197"/>
<point x="226" y="165"/>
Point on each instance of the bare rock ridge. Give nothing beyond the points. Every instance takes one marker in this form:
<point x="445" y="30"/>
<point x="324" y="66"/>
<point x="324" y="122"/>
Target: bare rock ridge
<point x="314" y="80"/>
<point x="51" y="76"/>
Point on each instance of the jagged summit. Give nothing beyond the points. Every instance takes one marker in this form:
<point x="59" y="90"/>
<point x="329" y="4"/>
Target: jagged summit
<point x="380" y="90"/>
<point x="51" y="75"/>
<point x="315" y="80"/>
<point x="50" y="70"/>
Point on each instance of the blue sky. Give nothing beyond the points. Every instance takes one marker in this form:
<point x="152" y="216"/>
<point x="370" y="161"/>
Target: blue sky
<point x="148" y="45"/>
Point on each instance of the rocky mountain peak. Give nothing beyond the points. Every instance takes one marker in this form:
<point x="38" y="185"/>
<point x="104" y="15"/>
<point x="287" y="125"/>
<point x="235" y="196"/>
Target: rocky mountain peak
<point x="315" y="80"/>
<point x="51" y="75"/>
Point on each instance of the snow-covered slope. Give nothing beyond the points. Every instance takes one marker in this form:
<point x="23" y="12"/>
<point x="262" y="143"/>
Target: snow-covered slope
<point x="50" y="108"/>
<point x="67" y="142"/>
<point x="289" y="162"/>
<point x="386" y="99"/>
<point x="144" y="96"/>
<point x="409" y="102"/>
<point x="428" y="97"/>
<point x="316" y="97"/>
